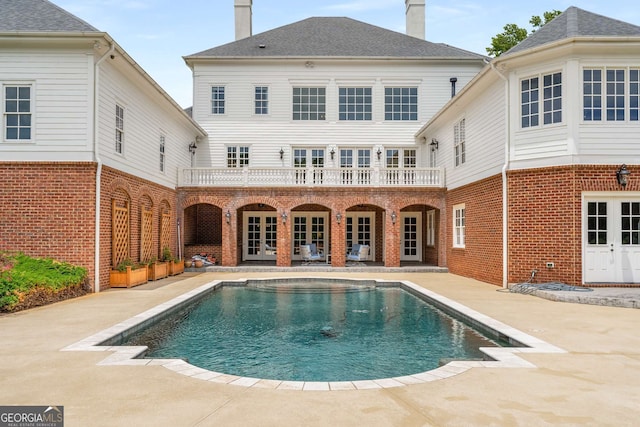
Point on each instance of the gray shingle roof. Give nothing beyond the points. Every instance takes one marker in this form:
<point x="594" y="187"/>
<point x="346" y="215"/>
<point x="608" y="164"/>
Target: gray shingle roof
<point x="38" y="16"/>
<point x="335" y="37"/>
<point x="575" y="22"/>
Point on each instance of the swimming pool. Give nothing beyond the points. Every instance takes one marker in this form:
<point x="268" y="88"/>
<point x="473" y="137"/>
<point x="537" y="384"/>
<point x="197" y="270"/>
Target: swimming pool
<point x="312" y="331"/>
<point x="493" y="356"/>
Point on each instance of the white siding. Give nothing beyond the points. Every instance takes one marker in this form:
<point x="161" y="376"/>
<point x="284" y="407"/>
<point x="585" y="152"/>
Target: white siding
<point x="267" y="134"/>
<point x="574" y="141"/>
<point x="485" y="137"/>
<point x="62" y="93"/>
<point x="147" y="115"/>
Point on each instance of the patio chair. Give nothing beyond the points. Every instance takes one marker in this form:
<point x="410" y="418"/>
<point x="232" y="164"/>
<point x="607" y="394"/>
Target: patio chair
<point x="358" y="254"/>
<point x="310" y="254"/>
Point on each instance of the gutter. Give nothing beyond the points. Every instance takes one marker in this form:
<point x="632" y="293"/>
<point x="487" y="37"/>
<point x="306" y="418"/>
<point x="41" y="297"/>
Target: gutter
<point x="505" y="168"/>
<point x="96" y="158"/>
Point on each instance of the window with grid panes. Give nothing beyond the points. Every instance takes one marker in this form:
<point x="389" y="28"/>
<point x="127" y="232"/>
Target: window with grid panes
<point x="17" y="112"/>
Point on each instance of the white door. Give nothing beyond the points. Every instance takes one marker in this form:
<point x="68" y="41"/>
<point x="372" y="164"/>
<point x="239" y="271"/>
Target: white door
<point x="612" y="240"/>
<point x="360" y="229"/>
<point x="260" y="236"/>
<point x="309" y="228"/>
<point x="411" y="237"/>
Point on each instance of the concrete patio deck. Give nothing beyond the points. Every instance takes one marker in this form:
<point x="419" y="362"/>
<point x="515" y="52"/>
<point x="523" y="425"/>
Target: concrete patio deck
<point x="596" y="383"/>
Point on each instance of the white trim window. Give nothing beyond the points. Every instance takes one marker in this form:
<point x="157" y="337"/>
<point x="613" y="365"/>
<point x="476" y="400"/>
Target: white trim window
<point x="400" y="103"/>
<point x="261" y="99"/>
<point x="309" y="103"/>
<point x="119" y="141"/>
<point x="217" y="100"/>
<point x="162" y="153"/>
<point x="604" y="94"/>
<point x="355" y="103"/>
<point x="18" y="112"/>
<point x="551" y="100"/>
<point x="459" y="226"/>
<point x="460" y="142"/>
<point x="237" y="156"/>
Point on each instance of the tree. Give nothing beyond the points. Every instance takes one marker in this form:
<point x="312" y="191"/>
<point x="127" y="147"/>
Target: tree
<point x="513" y="34"/>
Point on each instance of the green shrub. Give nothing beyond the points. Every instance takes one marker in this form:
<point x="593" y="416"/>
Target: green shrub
<point x="28" y="273"/>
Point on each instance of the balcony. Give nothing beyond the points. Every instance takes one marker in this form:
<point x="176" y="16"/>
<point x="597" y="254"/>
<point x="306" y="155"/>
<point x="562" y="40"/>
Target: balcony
<point x="312" y="177"/>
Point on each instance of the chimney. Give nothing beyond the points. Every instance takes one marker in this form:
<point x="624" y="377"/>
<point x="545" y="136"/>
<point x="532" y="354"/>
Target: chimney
<point x="243" y="18"/>
<point x="415" y="18"/>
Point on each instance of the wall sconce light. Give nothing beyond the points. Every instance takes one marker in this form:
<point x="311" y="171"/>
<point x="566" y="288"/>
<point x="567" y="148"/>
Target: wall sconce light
<point x="332" y="152"/>
<point x="379" y="153"/>
<point x="227" y="216"/>
<point x="281" y="153"/>
<point x="284" y="217"/>
<point x="338" y="217"/>
<point x="394" y="217"/>
<point x="192" y="147"/>
<point x="623" y="175"/>
<point x="434" y="144"/>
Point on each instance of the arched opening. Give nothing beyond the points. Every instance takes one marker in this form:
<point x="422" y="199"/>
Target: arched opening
<point x="310" y="224"/>
<point x="364" y="225"/>
<point x="419" y="231"/>
<point x="202" y="230"/>
<point x="257" y="233"/>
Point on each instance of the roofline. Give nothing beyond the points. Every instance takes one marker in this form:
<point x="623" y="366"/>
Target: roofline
<point x="49" y="35"/>
<point x="188" y="59"/>
<point x="508" y="57"/>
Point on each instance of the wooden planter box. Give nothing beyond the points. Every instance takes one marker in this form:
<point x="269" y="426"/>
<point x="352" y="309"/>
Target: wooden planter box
<point x="158" y="270"/>
<point x="176" y="267"/>
<point x="128" y="278"/>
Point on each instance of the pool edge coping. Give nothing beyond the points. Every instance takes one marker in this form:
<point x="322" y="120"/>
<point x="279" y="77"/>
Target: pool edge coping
<point x="503" y="357"/>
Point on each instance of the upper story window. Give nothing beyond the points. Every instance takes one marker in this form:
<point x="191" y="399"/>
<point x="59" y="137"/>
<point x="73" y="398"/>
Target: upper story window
<point x="302" y="157"/>
<point x="610" y="94"/>
<point x="119" y="129"/>
<point x="237" y="156"/>
<point x="261" y="100"/>
<point x="399" y="157"/>
<point x="17" y="112"/>
<point x="460" y="142"/>
<point x="459" y="226"/>
<point x="217" y="99"/>
<point x="634" y="94"/>
<point x="309" y="103"/>
<point x="355" y="103"/>
<point x="551" y="100"/>
<point x="401" y="103"/>
<point x="530" y="95"/>
<point x="162" y="153"/>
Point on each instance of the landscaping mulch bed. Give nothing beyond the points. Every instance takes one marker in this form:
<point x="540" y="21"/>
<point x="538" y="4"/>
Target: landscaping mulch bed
<point x="42" y="296"/>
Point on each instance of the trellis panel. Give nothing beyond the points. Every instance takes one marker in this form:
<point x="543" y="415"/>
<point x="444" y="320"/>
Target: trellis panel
<point x="119" y="232"/>
<point x="165" y="231"/>
<point x="146" y="235"/>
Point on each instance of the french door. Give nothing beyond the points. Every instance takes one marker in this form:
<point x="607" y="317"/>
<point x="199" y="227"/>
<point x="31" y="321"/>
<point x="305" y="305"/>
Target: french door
<point x="309" y="228"/>
<point x="611" y="240"/>
<point x="411" y="236"/>
<point x="260" y="236"/>
<point x="360" y="228"/>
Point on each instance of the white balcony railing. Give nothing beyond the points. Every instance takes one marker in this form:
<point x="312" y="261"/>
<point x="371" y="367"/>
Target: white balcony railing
<point x="311" y="177"/>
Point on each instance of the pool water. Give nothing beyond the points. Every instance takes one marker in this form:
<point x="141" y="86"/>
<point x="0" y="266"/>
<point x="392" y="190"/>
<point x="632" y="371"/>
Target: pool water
<point x="312" y="334"/>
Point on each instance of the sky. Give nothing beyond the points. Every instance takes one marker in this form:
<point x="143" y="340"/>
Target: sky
<point x="158" y="33"/>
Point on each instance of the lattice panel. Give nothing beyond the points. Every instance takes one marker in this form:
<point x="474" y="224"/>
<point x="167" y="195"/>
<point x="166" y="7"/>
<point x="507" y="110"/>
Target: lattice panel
<point x="165" y="231"/>
<point x="146" y="235"/>
<point x="119" y="232"/>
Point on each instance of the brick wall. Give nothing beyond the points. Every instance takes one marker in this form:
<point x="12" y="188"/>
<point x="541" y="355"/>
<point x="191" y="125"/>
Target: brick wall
<point x="545" y="218"/>
<point x="481" y="258"/>
<point x="48" y="210"/>
<point x="334" y="200"/>
<point x="138" y="192"/>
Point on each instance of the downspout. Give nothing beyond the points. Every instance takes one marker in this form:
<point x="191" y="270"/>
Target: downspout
<point x="96" y="158"/>
<point x="505" y="168"/>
